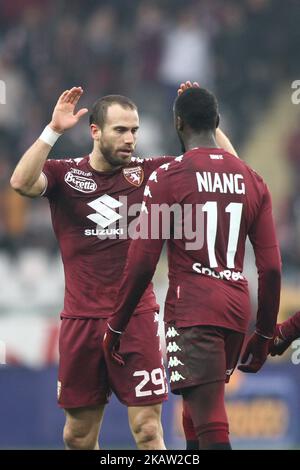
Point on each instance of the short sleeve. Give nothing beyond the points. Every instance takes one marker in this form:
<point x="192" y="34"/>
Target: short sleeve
<point x="53" y="173"/>
<point x="152" y="164"/>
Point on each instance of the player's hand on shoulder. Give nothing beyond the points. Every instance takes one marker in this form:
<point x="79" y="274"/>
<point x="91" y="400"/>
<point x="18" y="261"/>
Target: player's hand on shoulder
<point x="186" y="85"/>
<point x="256" y="353"/>
<point x="64" y="116"/>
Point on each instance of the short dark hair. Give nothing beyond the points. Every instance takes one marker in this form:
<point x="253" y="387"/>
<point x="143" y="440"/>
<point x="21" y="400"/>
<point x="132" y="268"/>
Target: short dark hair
<point x="99" y="109"/>
<point x="198" y="108"/>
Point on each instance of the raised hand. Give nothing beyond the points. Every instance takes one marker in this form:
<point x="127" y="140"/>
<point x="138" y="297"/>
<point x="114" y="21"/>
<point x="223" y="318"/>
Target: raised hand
<point x="64" y="116"/>
<point x="186" y="85"/>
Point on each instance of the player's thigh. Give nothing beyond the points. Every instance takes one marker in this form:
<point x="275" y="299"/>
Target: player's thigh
<point x="85" y="421"/>
<point x="142" y="381"/>
<point x="82" y="376"/>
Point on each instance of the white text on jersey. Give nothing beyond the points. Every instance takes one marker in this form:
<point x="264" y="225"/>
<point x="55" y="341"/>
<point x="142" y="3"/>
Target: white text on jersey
<point x="220" y="182"/>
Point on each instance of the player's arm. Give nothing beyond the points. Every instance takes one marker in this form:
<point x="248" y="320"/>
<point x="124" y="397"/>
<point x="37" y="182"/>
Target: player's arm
<point x="224" y="142"/>
<point x="268" y="261"/>
<point x="144" y="251"/>
<point x="221" y="138"/>
<point x="285" y="334"/>
<point x="264" y="241"/>
<point x="143" y="255"/>
<point x="27" y="178"/>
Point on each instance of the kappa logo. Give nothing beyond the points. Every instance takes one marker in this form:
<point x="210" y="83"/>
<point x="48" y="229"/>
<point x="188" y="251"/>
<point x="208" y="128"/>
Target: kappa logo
<point x="80" y="183"/>
<point x="214" y="156"/>
<point x="165" y="166"/>
<point x="171" y="333"/>
<point x="174" y="362"/>
<point x="105" y="213"/>
<point x="134" y="176"/>
<point x="176" y="377"/>
<point x="153" y="176"/>
<point x="139" y="160"/>
<point x="144" y="207"/>
<point x="147" y="192"/>
<point x="173" y="347"/>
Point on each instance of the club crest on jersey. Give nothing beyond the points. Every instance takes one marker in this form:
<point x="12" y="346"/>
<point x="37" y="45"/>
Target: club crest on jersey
<point x="134" y="176"/>
<point x="80" y="183"/>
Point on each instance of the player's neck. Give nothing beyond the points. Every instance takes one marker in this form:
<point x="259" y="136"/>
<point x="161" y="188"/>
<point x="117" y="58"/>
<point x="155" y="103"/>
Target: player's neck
<point x="202" y="140"/>
<point x="98" y="162"/>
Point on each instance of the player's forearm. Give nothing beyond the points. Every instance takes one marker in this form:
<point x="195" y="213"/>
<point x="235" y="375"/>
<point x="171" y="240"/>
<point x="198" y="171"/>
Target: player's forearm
<point x="128" y="299"/>
<point x="135" y="280"/>
<point x="29" y="168"/>
<point x="269" y="282"/>
<point x="224" y="142"/>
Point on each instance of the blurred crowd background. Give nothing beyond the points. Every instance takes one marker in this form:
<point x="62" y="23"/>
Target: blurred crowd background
<point x="246" y="51"/>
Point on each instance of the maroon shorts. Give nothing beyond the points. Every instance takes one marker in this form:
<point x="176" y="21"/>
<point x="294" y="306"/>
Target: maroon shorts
<point x="201" y="354"/>
<point x="84" y="379"/>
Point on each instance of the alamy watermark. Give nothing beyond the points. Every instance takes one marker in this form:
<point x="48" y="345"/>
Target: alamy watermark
<point x="2" y="352"/>
<point x="295" y="97"/>
<point x="295" y="358"/>
<point x="2" y="92"/>
<point x="176" y="221"/>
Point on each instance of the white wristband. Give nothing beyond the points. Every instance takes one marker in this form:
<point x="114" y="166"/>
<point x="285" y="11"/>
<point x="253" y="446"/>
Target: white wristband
<point x="263" y="336"/>
<point x="49" y="136"/>
<point x="114" y="331"/>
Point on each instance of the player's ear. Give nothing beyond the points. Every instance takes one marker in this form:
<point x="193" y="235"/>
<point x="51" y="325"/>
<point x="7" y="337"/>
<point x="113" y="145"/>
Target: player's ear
<point x="95" y="131"/>
<point x="179" y="123"/>
<point x="218" y="121"/>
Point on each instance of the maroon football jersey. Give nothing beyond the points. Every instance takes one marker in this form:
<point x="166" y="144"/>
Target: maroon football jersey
<point x="216" y="201"/>
<point x="92" y="212"/>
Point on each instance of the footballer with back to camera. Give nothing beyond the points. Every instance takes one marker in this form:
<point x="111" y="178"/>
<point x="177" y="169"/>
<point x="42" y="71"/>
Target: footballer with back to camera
<point x="207" y="308"/>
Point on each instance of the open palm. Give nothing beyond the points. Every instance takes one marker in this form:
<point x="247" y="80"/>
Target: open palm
<point x="64" y="116"/>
